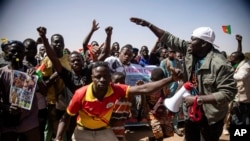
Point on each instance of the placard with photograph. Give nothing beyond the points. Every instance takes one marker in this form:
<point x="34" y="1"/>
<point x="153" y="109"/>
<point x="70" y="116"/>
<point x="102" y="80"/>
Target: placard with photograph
<point x="22" y="89"/>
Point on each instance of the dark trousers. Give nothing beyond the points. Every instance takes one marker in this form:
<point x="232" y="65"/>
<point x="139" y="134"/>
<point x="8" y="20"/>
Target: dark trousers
<point x="71" y="127"/>
<point x="42" y="116"/>
<point x="30" y="135"/>
<point x="202" y="131"/>
<point x="240" y="120"/>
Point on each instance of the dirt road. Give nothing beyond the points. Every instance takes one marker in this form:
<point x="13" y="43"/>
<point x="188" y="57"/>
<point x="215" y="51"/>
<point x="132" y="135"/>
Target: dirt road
<point x="139" y="134"/>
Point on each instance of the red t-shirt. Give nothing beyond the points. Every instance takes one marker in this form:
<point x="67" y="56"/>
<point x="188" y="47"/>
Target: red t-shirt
<point x="93" y="113"/>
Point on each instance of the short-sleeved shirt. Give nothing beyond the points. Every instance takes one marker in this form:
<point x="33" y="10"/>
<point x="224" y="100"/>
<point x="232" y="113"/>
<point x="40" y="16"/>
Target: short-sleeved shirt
<point x="174" y="64"/>
<point x="144" y="61"/>
<point x="115" y="64"/>
<point x="93" y="113"/>
<point x="48" y="71"/>
<point x="73" y="81"/>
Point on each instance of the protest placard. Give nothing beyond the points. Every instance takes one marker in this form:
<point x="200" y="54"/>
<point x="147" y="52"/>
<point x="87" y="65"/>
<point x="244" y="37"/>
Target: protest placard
<point x="22" y="89"/>
<point x="135" y="72"/>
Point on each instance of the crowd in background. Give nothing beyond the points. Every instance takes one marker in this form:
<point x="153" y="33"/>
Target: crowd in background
<point x="65" y="72"/>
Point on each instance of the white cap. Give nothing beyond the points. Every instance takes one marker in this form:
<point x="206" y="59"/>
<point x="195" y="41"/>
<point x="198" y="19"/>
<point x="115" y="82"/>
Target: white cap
<point x="204" y="33"/>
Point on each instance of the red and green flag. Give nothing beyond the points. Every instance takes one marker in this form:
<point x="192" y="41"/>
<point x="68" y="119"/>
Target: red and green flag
<point x="39" y="70"/>
<point x="227" y="29"/>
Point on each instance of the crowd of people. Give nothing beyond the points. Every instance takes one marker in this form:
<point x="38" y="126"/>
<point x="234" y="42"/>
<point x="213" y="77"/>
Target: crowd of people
<point x="84" y="95"/>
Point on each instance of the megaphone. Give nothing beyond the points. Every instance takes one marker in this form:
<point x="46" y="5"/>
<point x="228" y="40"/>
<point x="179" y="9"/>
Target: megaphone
<point x="174" y="102"/>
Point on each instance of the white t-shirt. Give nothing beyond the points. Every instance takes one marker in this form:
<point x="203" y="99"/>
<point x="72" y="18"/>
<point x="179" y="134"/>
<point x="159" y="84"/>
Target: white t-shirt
<point x="115" y="64"/>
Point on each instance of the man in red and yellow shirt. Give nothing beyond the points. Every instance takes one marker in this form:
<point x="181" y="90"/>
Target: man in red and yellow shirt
<point x="94" y="104"/>
<point x="95" y="114"/>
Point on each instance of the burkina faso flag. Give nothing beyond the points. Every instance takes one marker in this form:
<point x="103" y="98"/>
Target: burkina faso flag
<point x="226" y="29"/>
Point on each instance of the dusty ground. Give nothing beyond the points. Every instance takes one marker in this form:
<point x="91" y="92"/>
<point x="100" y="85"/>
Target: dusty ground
<point x="139" y="133"/>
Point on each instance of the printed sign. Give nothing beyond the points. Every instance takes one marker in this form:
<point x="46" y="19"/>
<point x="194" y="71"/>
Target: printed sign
<point x="22" y="89"/>
<point x="136" y="72"/>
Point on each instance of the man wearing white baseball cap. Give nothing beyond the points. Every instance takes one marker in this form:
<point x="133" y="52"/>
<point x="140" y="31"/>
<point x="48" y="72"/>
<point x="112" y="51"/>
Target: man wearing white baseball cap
<point x="205" y="33"/>
<point x="211" y="75"/>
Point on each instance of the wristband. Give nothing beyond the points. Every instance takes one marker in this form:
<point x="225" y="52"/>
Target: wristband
<point x="199" y="100"/>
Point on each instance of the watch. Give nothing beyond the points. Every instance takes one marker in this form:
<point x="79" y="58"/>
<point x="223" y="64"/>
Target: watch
<point x="199" y="100"/>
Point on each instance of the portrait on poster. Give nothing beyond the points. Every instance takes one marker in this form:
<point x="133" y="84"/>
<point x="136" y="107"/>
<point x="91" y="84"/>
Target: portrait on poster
<point x="22" y="89"/>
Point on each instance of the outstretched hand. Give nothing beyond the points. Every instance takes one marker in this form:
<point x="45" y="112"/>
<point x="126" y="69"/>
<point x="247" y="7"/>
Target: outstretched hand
<point x="14" y="109"/>
<point x="95" y="26"/>
<point x="31" y="71"/>
<point x="96" y="50"/>
<point x="177" y="74"/>
<point x="139" y="21"/>
<point x="42" y="31"/>
<point x="139" y="82"/>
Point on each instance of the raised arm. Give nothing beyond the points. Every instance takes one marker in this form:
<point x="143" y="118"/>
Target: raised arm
<point x="95" y="27"/>
<point x="153" y="58"/>
<point x="239" y="39"/>
<point x="155" y="47"/>
<point x="51" y="54"/>
<point x="151" y="87"/>
<point x="167" y="39"/>
<point x="156" y="30"/>
<point x="106" y="49"/>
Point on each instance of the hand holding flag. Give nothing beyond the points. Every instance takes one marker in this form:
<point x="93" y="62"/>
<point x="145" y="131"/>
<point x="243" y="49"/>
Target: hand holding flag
<point x="39" y="71"/>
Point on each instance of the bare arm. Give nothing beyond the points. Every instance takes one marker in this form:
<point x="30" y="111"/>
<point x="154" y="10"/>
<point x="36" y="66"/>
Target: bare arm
<point x="96" y="52"/>
<point x="208" y="99"/>
<point x="95" y="27"/>
<point x="153" y="53"/>
<point x="51" y="54"/>
<point x="156" y="46"/>
<point x="42" y="87"/>
<point x="156" y="30"/>
<point x="239" y="39"/>
<point x="52" y="79"/>
<point x="62" y="126"/>
<point x="106" y="50"/>
<point x="151" y="87"/>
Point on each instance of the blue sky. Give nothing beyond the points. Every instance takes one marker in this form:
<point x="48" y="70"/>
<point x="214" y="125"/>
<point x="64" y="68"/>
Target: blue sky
<point x="73" y="19"/>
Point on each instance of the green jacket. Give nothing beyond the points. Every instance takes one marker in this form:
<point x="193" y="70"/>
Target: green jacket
<point x="215" y="77"/>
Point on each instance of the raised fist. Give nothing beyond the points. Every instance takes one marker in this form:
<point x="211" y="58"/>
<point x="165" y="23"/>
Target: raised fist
<point x="41" y="30"/>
